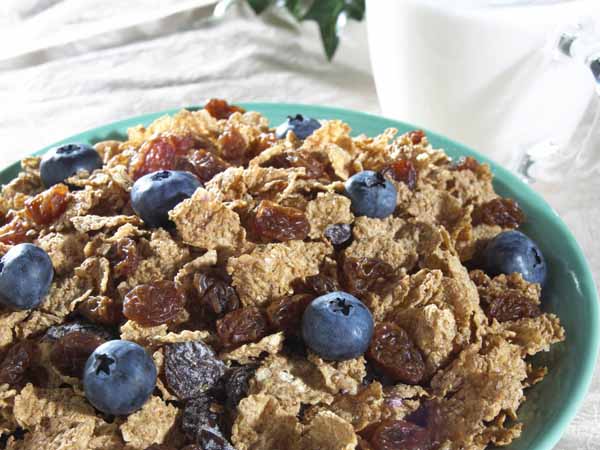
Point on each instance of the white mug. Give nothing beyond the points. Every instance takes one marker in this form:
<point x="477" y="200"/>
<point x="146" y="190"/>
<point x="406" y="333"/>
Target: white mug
<point x="506" y="77"/>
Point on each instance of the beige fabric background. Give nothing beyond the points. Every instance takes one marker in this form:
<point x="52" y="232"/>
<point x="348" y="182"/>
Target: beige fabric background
<point x="69" y="65"/>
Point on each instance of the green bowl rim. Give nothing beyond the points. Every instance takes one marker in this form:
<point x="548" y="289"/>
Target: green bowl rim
<point x="581" y="266"/>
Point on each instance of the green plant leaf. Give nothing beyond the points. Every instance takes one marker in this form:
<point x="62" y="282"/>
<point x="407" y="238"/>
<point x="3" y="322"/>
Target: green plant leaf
<point x="326" y="13"/>
<point x="295" y="7"/>
<point x="260" y="5"/>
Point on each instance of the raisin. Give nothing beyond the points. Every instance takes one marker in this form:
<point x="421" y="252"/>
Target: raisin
<point x="361" y="275"/>
<point x="160" y="153"/>
<point x="192" y="447"/>
<point x="416" y="136"/>
<point x="57" y="332"/>
<point x="286" y="313"/>
<point x="315" y="167"/>
<point x="394" y="353"/>
<point x="510" y="305"/>
<point x="14" y="232"/>
<point x="322" y="284"/>
<point x="399" y="434"/>
<point x="233" y="146"/>
<point x="220" y="109"/>
<point x="216" y="293"/>
<point x="363" y="444"/>
<point x="467" y="163"/>
<point x="72" y="351"/>
<point x="202" y="163"/>
<point x="17" y="363"/>
<point x="191" y="369"/>
<point x="154" y="304"/>
<point x="339" y="234"/>
<point x="402" y="171"/>
<point x="49" y="205"/>
<point x="504" y="212"/>
<point x="197" y="414"/>
<point x="273" y="222"/>
<point x="124" y="257"/>
<point x="242" y="326"/>
<point x="160" y="447"/>
<point x="236" y="385"/>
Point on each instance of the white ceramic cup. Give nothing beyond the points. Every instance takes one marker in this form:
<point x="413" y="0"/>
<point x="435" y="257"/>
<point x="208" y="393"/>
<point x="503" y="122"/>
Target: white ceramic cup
<point x="506" y="77"/>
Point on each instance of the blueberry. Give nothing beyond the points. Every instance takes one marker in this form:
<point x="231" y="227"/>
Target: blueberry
<point x="337" y="326"/>
<point x="372" y="195"/>
<point x="512" y="251"/>
<point x="302" y="127"/>
<point x="26" y="273"/>
<point x="60" y="163"/>
<point x="157" y="193"/>
<point x="119" y="377"/>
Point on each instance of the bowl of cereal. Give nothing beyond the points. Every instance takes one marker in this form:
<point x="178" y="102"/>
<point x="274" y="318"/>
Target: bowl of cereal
<point x="271" y="276"/>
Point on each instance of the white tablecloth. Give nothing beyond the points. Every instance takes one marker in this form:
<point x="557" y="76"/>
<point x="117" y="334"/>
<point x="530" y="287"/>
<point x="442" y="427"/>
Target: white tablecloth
<point x="69" y="65"/>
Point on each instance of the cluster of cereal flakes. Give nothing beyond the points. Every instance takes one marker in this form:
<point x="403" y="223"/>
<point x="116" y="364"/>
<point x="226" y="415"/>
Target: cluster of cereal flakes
<point x="475" y="365"/>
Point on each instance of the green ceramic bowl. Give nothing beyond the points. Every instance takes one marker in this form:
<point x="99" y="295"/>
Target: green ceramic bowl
<point x="570" y="293"/>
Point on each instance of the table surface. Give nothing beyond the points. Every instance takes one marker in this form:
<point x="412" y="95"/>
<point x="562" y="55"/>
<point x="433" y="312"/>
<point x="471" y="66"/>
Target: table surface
<point x="67" y="65"/>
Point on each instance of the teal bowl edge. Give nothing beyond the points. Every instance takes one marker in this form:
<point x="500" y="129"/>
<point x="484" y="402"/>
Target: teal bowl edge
<point x="507" y="184"/>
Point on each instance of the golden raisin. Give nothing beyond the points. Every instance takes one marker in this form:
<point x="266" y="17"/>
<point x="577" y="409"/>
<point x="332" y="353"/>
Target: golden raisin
<point x="220" y="109"/>
<point x="394" y="353"/>
<point x="402" y="171"/>
<point x="72" y="351"/>
<point x="154" y="304"/>
<point x="286" y="313"/>
<point x="242" y="326"/>
<point x="361" y="275"/>
<point x="202" y="163"/>
<point x="49" y="205"/>
<point x="274" y="222"/>
<point x="102" y="310"/>
<point x="416" y="136"/>
<point x="504" y="212"/>
<point x="160" y="153"/>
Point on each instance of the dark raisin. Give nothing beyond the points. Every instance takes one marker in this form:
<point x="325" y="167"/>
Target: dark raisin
<point x="124" y="258"/>
<point x="510" y="305"/>
<point x="57" y="332"/>
<point x="216" y="293"/>
<point x="72" y="351"/>
<point x="192" y="447"/>
<point x="101" y="310"/>
<point x="394" y="353"/>
<point x="504" y="212"/>
<point x="274" y="222"/>
<point x="17" y="363"/>
<point x="363" y="444"/>
<point x="191" y="369"/>
<point x="49" y="205"/>
<point x="416" y="136"/>
<point x="154" y="304"/>
<point x="362" y="275"/>
<point x="197" y="414"/>
<point x="242" y="326"/>
<point x="220" y="109"/>
<point x="202" y="163"/>
<point x="402" y="171"/>
<point x="322" y="284"/>
<point x="340" y="234"/>
<point x="285" y="314"/>
<point x="237" y="384"/>
<point x="160" y="153"/>
<point x="467" y="163"/>
<point x="399" y="434"/>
